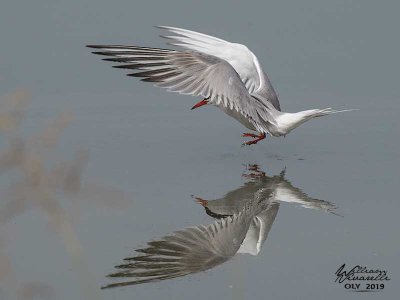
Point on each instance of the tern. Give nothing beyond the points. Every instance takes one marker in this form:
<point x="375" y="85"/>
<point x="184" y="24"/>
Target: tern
<point x="224" y="74"/>
<point x="282" y="190"/>
<point x="244" y="216"/>
<point x="193" y="249"/>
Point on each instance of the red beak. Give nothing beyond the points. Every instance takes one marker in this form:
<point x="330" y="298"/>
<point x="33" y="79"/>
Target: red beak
<point x="201" y="103"/>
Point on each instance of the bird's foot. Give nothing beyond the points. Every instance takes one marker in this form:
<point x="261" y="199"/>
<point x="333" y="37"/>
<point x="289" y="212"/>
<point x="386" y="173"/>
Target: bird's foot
<point x="255" y="172"/>
<point x="256" y="140"/>
<point x="253" y="167"/>
<point x="200" y="201"/>
<point x="250" y="135"/>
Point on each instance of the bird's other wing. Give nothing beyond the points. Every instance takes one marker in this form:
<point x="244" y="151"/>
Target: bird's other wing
<point x="239" y="56"/>
<point x="193" y="73"/>
<point x="259" y="230"/>
<point x="186" y="251"/>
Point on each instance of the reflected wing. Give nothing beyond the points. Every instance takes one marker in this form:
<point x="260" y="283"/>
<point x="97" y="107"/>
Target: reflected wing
<point x="186" y="251"/>
<point x="239" y="56"/>
<point x="193" y="73"/>
<point x="259" y="230"/>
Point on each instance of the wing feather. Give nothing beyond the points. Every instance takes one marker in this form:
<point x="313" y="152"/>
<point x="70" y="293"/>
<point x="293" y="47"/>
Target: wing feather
<point x="193" y="73"/>
<point x="243" y="60"/>
<point x="186" y="251"/>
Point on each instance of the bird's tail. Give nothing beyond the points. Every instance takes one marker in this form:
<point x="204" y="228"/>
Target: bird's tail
<point x="330" y="111"/>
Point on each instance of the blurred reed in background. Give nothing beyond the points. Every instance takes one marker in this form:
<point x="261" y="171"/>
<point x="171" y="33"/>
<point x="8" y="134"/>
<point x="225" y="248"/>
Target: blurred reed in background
<point x="35" y="178"/>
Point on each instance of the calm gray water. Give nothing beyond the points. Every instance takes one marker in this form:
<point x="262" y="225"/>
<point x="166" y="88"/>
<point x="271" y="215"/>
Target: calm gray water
<point x="142" y="153"/>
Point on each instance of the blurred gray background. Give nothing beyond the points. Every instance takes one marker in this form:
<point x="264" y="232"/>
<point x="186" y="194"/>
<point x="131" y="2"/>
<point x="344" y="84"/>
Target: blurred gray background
<point x="147" y="143"/>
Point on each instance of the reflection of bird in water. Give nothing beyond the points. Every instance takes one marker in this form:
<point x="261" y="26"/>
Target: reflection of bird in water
<point x="193" y="249"/>
<point x="281" y="190"/>
<point x="245" y="217"/>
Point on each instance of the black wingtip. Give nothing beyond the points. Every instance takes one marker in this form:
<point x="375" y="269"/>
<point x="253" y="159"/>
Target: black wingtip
<point x="93" y="46"/>
<point x="104" y="53"/>
<point x="133" y="75"/>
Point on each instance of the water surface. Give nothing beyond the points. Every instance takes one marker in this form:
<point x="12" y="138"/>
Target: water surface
<point x="118" y="168"/>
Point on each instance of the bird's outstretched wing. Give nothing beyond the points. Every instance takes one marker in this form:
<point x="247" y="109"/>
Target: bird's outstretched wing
<point x="186" y="251"/>
<point x="239" y="56"/>
<point x="194" y="73"/>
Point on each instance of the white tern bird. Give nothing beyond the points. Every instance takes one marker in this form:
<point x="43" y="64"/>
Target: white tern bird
<point x="245" y="214"/>
<point x="225" y="74"/>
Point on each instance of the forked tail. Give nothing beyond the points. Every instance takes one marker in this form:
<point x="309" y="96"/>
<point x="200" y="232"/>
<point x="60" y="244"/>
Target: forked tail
<point x="330" y="111"/>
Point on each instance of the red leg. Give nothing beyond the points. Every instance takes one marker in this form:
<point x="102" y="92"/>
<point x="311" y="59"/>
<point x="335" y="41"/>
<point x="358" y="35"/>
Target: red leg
<point x="250" y="135"/>
<point x="255" y="141"/>
<point x="201" y="103"/>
